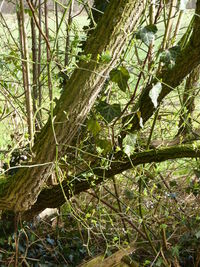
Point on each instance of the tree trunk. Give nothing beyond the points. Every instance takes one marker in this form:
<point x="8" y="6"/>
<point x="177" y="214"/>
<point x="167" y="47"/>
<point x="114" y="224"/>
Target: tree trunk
<point x="170" y="78"/>
<point x="20" y="192"/>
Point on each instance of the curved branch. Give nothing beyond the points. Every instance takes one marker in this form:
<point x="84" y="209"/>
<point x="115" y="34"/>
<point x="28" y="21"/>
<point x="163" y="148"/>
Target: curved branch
<point x="53" y="198"/>
<point x="187" y="60"/>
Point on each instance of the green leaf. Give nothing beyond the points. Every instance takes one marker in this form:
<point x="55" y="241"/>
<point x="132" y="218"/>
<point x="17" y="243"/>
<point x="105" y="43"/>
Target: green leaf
<point x="147" y="34"/>
<point x="147" y="262"/>
<point x="26" y="135"/>
<point x="85" y="58"/>
<point x="159" y="262"/>
<point x="154" y="93"/>
<point x="175" y="250"/>
<point x="163" y="226"/>
<point x="93" y="126"/>
<point x="129" y="144"/>
<point x="109" y="112"/>
<point x="106" y="57"/>
<point x="129" y="194"/>
<point x="115" y="238"/>
<point x="105" y="145"/>
<point x="121" y="77"/>
<point x="28" y="11"/>
<point x="168" y="57"/>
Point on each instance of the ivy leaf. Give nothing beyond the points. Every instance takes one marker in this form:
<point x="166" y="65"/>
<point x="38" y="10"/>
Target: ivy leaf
<point x="129" y="144"/>
<point x="109" y="112"/>
<point x="147" y="34"/>
<point x="154" y="93"/>
<point x="93" y="126"/>
<point x="120" y="76"/>
<point x="168" y="57"/>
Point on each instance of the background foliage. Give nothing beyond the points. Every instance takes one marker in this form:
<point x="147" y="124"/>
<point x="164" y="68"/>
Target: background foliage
<point x="150" y="212"/>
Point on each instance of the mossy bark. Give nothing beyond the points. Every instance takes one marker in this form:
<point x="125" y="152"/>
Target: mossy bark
<point x="53" y="198"/>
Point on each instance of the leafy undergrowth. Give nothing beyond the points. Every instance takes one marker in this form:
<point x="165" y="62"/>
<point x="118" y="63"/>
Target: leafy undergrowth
<point x="156" y="210"/>
<point x="48" y="244"/>
<point x="62" y="241"/>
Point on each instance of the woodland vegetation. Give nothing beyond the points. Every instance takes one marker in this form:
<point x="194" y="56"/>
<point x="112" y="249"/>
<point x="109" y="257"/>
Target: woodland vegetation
<point x="99" y="118"/>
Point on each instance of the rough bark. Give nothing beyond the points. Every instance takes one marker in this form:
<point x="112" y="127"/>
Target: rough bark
<point x="53" y="198"/>
<point x="188" y="106"/>
<point x="19" y="192"/>
<point x="187" y="60"/>
<point x="68" y="114"/>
